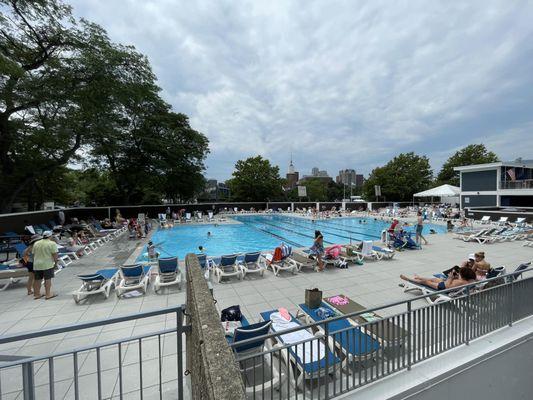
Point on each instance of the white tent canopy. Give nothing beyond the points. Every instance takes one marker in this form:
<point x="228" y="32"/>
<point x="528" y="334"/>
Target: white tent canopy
<point x="440" y="191"/>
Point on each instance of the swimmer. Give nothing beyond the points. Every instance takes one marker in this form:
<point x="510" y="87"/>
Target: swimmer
<point x="209" y="234"/>
<point x="201" y="249"/>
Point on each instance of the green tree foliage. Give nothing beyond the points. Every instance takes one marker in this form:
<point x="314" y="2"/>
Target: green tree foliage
<point x="400" y="178"/>
<point x="255" y="179"/>
<point x="70" y="95"/>
<point x="469" y="155"/>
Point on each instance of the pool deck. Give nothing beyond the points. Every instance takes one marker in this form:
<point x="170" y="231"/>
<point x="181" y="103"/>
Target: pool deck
<point x="372" y="284"/>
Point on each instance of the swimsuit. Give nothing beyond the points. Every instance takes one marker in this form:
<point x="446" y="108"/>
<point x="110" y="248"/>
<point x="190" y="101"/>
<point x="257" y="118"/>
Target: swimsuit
<point x="441" y="285"/>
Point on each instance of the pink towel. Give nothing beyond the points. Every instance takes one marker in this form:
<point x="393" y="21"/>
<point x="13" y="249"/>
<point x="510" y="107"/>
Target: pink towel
<point x="285" y="314"/>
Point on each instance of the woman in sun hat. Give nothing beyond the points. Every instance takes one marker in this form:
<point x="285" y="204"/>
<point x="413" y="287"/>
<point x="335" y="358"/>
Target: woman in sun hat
<point x="27" y="261"/>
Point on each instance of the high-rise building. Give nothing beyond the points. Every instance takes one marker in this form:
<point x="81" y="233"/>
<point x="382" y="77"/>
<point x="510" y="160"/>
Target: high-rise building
<point x="359" y="180"/>
<point x="292" y="176"/>
<point x="315" y="171"/>
<point x="346" y="177"/>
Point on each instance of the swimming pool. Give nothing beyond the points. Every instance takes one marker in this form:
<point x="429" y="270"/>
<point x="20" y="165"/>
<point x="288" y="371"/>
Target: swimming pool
<point x="265" y="232"/>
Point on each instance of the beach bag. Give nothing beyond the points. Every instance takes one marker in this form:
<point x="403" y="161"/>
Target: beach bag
<point x="313" y="298"/>
<point x="232" y="313"/>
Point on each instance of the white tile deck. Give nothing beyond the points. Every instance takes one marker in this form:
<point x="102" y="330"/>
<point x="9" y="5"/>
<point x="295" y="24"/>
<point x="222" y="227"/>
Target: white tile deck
<point x="371" y="284"/>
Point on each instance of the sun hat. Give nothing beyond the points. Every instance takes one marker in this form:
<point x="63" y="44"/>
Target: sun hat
<point x="35" y="238"/>
<point x="47" y="234"/>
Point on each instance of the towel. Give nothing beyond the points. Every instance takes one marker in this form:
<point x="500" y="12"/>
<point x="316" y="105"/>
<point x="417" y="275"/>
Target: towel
<point x="279" y="324"/>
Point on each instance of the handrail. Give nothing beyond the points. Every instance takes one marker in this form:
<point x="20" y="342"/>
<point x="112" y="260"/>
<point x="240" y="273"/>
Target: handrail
<point x="90" y="324"/>
<point x="382" y="307"/>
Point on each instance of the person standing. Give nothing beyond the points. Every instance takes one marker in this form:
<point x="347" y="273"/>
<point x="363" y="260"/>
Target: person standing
<point x="27" y="261"/>
<point x="419" y="229"/>
<point x="317" y="250"/>
<point x="44" y="261"/>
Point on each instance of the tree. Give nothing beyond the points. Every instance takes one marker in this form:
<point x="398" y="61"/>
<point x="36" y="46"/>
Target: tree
<point x="403" y="176"/>
<point x="70" y="95"/>
<point x="255" y="179"/>
<point x="469" y="155"/>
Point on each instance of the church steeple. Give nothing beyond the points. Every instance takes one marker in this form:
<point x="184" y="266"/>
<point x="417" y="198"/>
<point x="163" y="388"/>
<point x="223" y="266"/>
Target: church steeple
<point x="291" y="166"/>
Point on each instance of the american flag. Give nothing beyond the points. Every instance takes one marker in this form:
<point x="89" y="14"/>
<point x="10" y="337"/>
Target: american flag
<point x="511" y="174"/>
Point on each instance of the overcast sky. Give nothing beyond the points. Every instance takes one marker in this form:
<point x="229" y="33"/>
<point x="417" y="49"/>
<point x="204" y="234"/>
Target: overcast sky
<point x="340" y="84"/>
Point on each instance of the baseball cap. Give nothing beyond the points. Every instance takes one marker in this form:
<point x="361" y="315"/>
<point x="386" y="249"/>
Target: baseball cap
<point x="471" y="257"/>
<point x="47" y="234"/>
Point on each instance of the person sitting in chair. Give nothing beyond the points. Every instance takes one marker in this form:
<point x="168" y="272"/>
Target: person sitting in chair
<point x="455" y="279"/>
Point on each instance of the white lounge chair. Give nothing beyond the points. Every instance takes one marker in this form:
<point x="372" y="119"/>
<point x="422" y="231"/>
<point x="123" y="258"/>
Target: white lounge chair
<point x="485" y="219"/>
<point x="12" y="274"/>
<point x="284" y="264"/>
<point x="188" y="217"/>
<point x="100" y="282"/>
<point x="437" y="297"/>
<point x="367" y="251"/>
<point x="168" y="273"/>
<point x="227" y="267"/>
<point x="210" y="217"/>
<point x="502" y="220"/>
<point x="252" y="264"/>
<point x="133" y="277"/>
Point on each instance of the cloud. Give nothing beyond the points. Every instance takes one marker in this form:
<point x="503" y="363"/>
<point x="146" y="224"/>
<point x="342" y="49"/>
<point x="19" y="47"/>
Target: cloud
<point x="340" y="84"/>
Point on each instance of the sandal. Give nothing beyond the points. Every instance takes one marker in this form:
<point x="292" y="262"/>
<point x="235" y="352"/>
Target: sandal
<point x="38" y="297"/>
<point x="51" y="297"/>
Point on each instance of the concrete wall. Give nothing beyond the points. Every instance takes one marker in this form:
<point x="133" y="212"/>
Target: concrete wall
<point x="213" y="369"/>
<point x="505" y="374"/>
<point x="478" y="181"/>
<point x="478" y="201"/>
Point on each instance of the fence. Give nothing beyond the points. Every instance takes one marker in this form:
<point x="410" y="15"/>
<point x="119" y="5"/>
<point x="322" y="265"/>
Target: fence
<point x="334" y="361"/>
<point x="139" y="365"/>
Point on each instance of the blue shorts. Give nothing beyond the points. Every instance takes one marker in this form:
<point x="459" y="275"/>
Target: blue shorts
<point x="419" y="229"/>
<point x="441" y="286"/>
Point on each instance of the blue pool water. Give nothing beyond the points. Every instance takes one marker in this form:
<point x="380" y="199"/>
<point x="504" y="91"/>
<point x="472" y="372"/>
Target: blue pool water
<point x="259" y="232"/>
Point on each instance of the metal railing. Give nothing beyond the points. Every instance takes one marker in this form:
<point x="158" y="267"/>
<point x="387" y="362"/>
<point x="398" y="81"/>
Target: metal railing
<point x="521" y="184"/>
<point x="331" y="363"/>
<point x="141" y="365"/>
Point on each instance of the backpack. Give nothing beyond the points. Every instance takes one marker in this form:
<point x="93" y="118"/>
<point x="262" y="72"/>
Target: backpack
<point x="232" y="313"/>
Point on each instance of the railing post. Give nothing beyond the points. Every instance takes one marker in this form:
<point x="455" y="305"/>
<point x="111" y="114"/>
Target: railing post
<point x="326" y="333"/>
<point x="467" y="322"/>
<point x="179" y="329"/>
<point x="409" y="343"/>
<point x="511" y="303"/>
<point x="28" y="383"/>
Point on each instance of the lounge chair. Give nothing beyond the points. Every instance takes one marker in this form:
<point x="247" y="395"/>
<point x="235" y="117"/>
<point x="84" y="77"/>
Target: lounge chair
<point x="410" y="286"/>
<point x="133" y="277"/>
<point x="367" y="251"/>
<point x="308" y="356"/>
<point x="210" y="217"/>
<point x="252" y="263"/>
<point x="227" y="267"/>
<point x="199" y="217"/>
<point x="485" y="220"/>
<point x="473" y="236"/>
<point x="11" y="273"/>
<point x="517" y="273"/>
<point x="168" y="273"/>
<point x="384" y="251"/>
<point x="302" y="260"/>
<point x="100" y="282"/>
<point x="520" y="221"/>
<point x="188" y="217"/>
<point x="502" y="220"/>
<point x="251" y="366"/>
<point x="281" y="261"/>
<point x="343" y="335"/>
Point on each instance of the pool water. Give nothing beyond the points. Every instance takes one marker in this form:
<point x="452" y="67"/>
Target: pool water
<point x="265" y="232"/>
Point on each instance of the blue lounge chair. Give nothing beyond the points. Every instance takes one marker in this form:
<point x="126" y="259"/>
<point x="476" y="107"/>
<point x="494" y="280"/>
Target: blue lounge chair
<point x="100" y="282"/>
<point x="133" y="277"/>
<point x="348" y="338"/>
<point x="305" y="369"/>
<point x="252" y="263"/>
<point x="254" y="365"/>
<point x="227" y="266"/>
<point x="385" y="251"/>
<point x="168" y="273"/>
